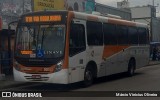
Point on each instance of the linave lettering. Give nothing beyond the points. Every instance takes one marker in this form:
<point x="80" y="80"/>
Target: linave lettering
<point x="52" y="52"/>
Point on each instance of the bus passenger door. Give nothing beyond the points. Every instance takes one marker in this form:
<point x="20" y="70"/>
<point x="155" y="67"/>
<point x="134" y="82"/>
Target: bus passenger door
<point x="77" y="51"/>
<point x="95" y="47"/>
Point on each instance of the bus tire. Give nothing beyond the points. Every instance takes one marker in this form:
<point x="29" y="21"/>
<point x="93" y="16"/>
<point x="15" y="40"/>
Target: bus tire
<point x="131" y="68"/>
<point x="88" y="77"/>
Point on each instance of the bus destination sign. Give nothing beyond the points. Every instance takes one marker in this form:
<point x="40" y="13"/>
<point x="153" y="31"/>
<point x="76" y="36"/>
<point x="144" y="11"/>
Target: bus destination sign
<point x="49" y="18"/>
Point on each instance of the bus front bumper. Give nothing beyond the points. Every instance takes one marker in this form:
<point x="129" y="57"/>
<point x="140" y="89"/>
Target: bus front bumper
<point x="60" y="77"/>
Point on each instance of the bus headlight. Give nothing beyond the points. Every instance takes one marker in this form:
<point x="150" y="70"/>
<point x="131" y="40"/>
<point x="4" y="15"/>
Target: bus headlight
<point x="59" y="66"/>
<point x="16" y="66"/>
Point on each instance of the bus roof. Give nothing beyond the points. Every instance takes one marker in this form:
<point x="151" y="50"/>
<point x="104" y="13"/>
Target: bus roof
<point x="92" y="17"/>
<point x="105" y="19"/>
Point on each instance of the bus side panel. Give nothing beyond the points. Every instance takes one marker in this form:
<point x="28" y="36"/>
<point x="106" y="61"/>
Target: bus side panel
<point x="117" y="62"/>
<point x="142" y="56"/>
<point x="116" y="59"/>
<point x="77" y="66"/>
<point x="95" y="53"/>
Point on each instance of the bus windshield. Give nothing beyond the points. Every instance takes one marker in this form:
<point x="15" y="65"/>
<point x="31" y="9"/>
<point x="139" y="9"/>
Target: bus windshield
<point x="40" y="41"/>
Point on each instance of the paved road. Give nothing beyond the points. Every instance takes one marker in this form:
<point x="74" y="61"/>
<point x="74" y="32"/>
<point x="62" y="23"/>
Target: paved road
<point x="145" y="79"/>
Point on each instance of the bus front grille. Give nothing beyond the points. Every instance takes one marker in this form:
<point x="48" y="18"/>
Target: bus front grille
<point x="31" y="78"/>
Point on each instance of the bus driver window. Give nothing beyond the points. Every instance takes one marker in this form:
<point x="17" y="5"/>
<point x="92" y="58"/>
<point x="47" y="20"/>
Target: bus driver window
<point x="77" y="39"/>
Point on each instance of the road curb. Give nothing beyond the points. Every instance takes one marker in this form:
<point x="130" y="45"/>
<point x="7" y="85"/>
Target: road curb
<point x="2" y="77"/>
<point x="15" y="85"/>
<point x="154" y="64"/>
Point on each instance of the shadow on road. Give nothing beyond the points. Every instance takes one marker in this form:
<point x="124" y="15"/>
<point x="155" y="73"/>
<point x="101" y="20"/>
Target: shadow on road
<point x="70" y="87"/>
<point x="114" y="77"/>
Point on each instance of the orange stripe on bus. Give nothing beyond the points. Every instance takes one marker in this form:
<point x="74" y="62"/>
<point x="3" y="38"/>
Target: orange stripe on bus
<point x="37" y="70"/>
<point x="66" y="58"/>
<point x="92" y="18"/>
<point x="111" y="50"/>
<point x="121" y="22"/>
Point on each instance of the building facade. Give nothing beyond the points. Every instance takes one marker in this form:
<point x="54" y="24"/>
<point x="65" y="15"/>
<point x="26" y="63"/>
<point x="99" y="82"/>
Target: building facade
<point x="73" y="5"/>
<point x="104" y="9"/>
<point x="8" y="13"/>
<point x="147" y="14"/>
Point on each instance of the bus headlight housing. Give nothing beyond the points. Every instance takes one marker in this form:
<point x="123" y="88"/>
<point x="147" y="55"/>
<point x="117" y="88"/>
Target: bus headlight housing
<point x="58" y="66"/>
<point x="16" y="66"/>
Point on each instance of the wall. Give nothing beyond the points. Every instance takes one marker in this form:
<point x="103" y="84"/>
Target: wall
<point x="155" y="30"/>
<point x="104" y="9"/>
<point x="146" y="14"/>
<point x="141" y="12"/>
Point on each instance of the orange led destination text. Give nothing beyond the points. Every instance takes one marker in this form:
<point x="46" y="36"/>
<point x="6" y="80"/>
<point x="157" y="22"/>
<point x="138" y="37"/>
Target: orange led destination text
<point x="30" y="19"/>
<point x="26" y="52"/>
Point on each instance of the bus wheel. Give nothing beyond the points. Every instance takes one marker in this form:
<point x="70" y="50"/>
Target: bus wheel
<point x="88" y="77"/>
<point x="131" y="68"/>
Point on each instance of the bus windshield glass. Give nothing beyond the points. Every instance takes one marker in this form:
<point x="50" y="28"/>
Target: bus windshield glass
<point x="40" y="41"/>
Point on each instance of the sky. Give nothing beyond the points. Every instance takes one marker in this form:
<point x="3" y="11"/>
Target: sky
<point x="133" y="3"/>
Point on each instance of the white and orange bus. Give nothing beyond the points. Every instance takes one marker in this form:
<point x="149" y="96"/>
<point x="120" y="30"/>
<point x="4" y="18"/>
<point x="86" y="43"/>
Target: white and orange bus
<point x="66" y="47"/>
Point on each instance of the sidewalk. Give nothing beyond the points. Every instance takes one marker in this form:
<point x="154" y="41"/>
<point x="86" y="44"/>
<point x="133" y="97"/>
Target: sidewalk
<point x="154" y="63"/>
<point x="2" y="76"/>
<point x="9" y="82"/>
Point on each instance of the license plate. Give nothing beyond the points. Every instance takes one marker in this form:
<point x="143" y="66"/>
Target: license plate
<point x="36" y="76"/>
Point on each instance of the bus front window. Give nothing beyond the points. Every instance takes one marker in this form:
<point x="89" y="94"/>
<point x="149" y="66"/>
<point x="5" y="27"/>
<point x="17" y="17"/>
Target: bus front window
<point x="40" y="41"/>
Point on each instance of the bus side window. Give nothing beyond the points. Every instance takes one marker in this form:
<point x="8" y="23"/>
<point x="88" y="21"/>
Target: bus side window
<point x="94" y="33"/>
<point x="77" y="39"/>
<point x="122" y="33"/>
<point x="143" y="37"/>
<point x="110" y="36"/>
<point x="132" y="35"/>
